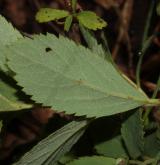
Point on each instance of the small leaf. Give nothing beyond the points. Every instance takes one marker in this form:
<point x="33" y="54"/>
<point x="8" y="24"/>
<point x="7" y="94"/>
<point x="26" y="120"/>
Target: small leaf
<point x="90" y="20"/>
<point x="133" y="134"/>
<point x="49" y="150"/>
<point x="68" y="23"/>
<point x="94" y="160"/>
<point x="8" y="99"/>
<point x="151" y="145"/>
<point x="48" y="14"/>
<point x="158" y="9"/>
<point x="71" y="78"/>
<point x="8" y="35"/>
<point x="112" y="148"/>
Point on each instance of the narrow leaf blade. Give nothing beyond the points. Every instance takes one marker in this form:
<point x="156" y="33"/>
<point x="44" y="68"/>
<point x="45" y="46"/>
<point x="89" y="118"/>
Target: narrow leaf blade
<point x="8" y="99"/>
<point x="68" y="23"/>
<point x="112" y="148"/>
<point x="50" y="149"/>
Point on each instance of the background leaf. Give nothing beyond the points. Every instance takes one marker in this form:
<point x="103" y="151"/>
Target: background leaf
<point x="9" y="100"/>
<point x="48" y="14"/>
<point x="112" y="148"/>
<point x="71" y="78"/>
<point x="50" y="149"/>
<point x="151" y="145"/>
<point x="68" y="23"/>
<point x="90" y="20"/>
<point x="94" y="160"/>
<point x="8" y="35"/>
<point x="132" y="133"/>
<point x="92" y="42"/>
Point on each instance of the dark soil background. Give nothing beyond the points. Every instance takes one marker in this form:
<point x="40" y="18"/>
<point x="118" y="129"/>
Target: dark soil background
<point x="126" y="23"/>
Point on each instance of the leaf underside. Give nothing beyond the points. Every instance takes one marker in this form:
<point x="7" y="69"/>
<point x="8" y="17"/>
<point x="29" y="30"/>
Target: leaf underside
<point x="50" y="149"/>
<point x="69" y="77"/>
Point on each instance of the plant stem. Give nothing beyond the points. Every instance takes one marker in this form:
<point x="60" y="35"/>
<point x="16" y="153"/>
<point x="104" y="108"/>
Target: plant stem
<point x="148" y="110"/>
<point x="142" y="53"/>
<point x="145" y="43"/>
<point x="149" y="17"/>
<point x="74" y="4"/>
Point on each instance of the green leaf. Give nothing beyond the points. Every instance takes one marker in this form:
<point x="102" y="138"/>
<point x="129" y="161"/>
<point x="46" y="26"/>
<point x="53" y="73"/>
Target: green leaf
<point x="112" y="148"/>
<point x="133" y="134"/>
<point x="92" y="42"/>
<point x="49" y="150"/>
<point x="48" y="14"/>
<point x="90" y="20"/>
<point x="71" y="78"/>
<point x="158" y="9"/>
<point x="94" y="160"/>
<point x="68" y="23"/>
<point x="9" y="100"/>
<point x="151" y="145"/>
<point x="67" y="158"/>
<point x="8" y="35"/>
<point x="157" y="159"/>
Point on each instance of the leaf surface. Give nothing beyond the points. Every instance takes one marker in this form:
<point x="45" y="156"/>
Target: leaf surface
<point x="158" y="9"/>
<point x="94" y="160"/>
<point x="9" y="100"/>
<point x="68" y="23"/>
<point x="48" y="14"/>
<point x="71" y="78"/>
<point x="90" y="20"/>
<point x="8" y="35"/>
<point x="112" y="148"/>
<point x="49" y="150"/>
<point x="133" y="134"/>
<point x="151" y="145"/>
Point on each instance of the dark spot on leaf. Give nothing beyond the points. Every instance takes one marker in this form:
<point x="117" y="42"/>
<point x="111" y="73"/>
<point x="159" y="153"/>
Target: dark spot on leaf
<point x="79" y="82"/>
<point x="48" y="49"/>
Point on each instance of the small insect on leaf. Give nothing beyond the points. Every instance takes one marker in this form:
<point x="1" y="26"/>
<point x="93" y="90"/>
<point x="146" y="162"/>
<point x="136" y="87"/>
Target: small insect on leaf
<point x="47" y="14"/>
<point x="90" y="20"/>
